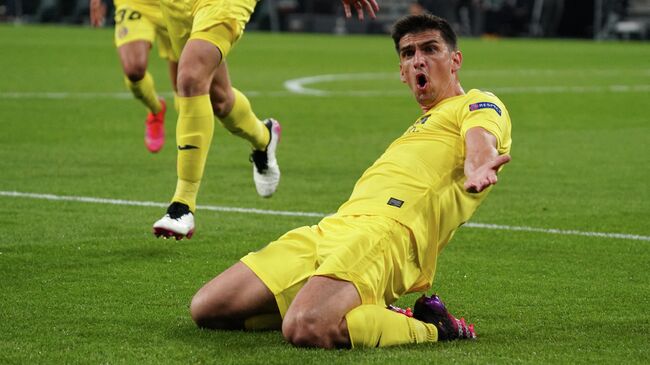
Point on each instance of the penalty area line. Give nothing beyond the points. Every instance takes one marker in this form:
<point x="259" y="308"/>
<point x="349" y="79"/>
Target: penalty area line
<point x="217" y="208"/>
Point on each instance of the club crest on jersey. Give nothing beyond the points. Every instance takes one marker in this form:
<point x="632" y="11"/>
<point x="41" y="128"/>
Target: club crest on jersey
<point x="122" y="32"/>
<point x="484" y="105"/>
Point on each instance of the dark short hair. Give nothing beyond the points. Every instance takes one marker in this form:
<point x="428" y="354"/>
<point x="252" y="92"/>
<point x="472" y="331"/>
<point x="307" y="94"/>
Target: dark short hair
<point x="421" y="23"/>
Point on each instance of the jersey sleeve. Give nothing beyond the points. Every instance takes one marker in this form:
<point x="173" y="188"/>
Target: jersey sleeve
<point x="488" y="112"/>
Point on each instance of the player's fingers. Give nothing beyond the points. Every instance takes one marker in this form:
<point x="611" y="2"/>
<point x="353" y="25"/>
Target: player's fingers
<point x="500" y="161"/>
<point x="485" y="183"/>
<point x="97" y="19"/>
<point x="347" y="9"/>
<point x="375" y="6"/>
<point x="470" y="187"/>
<point x="359" y="7"/>
<point x="370" y="5"/>
<point x="96" y="12"/>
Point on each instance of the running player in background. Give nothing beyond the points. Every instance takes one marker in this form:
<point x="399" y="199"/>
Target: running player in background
<point x="138" y="24"/>
<point x="202" y="33"/>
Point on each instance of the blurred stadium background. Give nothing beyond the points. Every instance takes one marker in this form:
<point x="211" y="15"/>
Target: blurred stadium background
<point x="597" y="19"/>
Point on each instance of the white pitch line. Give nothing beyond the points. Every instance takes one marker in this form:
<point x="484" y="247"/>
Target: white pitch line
<point x="294" y="89"/>
<point x="298" y="86"/>
<point x="569" y="89"/>
<point x="304" y="86"/>
<point x="565" y="232"/>
<point x="56" y="95"/>
<point x="85" y="199"/>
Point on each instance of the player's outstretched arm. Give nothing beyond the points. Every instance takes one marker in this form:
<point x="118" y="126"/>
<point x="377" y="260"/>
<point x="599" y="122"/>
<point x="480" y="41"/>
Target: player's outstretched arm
<point x="482" y="160"/>
<point x="97" y="13"/>
<point x="360" y="6"/>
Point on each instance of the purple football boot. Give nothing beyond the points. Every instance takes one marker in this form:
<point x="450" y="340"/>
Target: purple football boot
<point x="432" y="310"/>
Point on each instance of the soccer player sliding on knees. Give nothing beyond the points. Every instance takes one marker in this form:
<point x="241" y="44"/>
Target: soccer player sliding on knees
<point x="332" y="285"/>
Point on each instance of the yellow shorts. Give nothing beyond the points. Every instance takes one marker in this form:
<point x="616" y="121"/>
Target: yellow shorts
<point x="220" y="22"/>
<point x="140" y="22"/>
<point x="376" y="254"/>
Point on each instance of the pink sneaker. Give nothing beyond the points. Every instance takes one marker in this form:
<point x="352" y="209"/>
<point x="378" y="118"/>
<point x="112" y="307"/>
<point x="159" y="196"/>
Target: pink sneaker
<point x="154" y="134"/>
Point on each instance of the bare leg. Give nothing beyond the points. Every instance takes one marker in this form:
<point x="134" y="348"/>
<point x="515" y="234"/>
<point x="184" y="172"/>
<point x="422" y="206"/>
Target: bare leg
<point x="316" y="317"/>
<point x="197" y="66"/>
<point x="173" y="74"/>
<point x="226" y="301"/>
<point x="235" y="112"/>
<point x="221" y="93"/>
<point x="134" y="57"/>
<point x="199" y="73"/>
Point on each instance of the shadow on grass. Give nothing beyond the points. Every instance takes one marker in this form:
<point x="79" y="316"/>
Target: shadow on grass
<point x="269" y="347"/>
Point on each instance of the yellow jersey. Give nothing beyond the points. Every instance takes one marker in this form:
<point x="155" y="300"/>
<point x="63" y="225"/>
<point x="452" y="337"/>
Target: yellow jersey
<point x="418" y="180"/>
<point x="150" y="9"/>
<point x="145" y="3"/>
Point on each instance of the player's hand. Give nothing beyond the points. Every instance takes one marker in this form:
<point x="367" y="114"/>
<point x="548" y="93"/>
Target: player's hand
<point x="97" y="13"/>
<point x="360" y="6"/>
<point x="485" y="175"/>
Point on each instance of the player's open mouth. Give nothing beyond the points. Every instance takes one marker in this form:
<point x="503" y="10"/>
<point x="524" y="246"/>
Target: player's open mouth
<point x="421" y="80"/>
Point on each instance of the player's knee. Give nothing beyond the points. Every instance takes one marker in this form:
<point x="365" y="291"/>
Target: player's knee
<point x="306" y="329"/>
<point x="191" y="82"/>
<point x="206" y="310"/>
<point x="135" y="71"/>
<point x="198" y="310"/>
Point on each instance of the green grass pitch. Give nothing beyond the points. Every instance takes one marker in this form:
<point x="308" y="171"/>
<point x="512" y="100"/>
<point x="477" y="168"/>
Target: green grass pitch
<point x="88" y="283"/>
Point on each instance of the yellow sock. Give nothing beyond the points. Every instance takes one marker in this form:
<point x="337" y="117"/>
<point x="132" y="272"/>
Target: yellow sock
<point x="376" y="326"/>
<point x="176" y="101"/>
<point x="242" y="122"/>
<point x="145" y="91"/>
<point x="193" y="136"/>
<point x="264" y="322"/>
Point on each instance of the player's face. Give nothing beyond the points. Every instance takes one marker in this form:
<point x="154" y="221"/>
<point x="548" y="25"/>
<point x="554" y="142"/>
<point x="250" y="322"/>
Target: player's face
<point x="428" y="66"/>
